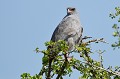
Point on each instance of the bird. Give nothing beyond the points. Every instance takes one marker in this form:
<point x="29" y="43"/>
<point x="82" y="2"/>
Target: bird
<point x="69" y="29"/>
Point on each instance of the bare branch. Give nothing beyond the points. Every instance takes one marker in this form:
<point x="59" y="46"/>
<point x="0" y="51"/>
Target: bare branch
<point x="96" y="41"/>
<point x="86" y="37"/>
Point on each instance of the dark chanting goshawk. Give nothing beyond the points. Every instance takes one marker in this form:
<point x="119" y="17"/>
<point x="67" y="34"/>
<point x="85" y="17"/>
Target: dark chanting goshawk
<point x="69" y="29"/>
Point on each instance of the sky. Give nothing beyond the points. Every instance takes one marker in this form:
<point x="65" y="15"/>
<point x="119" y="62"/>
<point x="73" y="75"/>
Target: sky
<point x="27" y="24"/>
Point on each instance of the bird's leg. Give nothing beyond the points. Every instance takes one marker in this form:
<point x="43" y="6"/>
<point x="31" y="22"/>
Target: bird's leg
<point x="71" y="45"/>
<point x="67" y="57"/>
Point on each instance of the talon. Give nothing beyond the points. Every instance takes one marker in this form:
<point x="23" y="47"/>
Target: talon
<point x="69" y="58"/>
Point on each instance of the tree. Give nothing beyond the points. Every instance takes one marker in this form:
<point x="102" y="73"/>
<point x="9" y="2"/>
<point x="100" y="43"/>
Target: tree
<point x="56" y="64"/>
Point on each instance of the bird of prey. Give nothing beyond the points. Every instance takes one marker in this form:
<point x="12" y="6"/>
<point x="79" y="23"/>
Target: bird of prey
<point x="69" y="29"/>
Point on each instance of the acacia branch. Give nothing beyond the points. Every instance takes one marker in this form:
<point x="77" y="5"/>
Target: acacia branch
<point x="49" y="69"/>
<point x="110" y="71"/>
<point x="96" y="41"/>
<point x="63" y="67"/>
<point x="86" y="37"/>
<point x="101" y="68"/>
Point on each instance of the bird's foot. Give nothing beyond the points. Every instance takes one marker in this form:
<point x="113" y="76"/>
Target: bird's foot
<point x="69" y="58"/>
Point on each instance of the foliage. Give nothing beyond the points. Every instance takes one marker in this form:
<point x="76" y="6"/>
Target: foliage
<point x="28" y="76"/>
<point x="56" y="62"/>
<point x="116" y="32"/>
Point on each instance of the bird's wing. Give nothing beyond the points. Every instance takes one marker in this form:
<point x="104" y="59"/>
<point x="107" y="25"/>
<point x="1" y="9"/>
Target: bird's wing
<point x="68" y="27"/>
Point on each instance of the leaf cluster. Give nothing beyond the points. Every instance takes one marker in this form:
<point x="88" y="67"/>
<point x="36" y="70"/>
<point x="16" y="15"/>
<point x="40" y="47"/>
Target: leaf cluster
<point x="56" y="64"/>
<point x="116" y="27"/>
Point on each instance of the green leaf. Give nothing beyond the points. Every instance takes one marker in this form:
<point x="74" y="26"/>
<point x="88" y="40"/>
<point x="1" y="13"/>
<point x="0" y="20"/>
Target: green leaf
<point x="119" y="20"/>
<point x="45" y="60"/>
<point x="114" y="26"/>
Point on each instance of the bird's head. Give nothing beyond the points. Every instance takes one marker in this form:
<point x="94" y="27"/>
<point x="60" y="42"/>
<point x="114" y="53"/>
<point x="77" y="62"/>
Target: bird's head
<point x="71" y="10"/>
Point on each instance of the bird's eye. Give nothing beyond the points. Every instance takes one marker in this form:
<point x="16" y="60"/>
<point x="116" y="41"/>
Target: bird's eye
<point x="73" y="9"/>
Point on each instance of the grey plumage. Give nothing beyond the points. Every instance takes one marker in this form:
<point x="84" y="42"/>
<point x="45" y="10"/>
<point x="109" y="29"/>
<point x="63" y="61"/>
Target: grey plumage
<point x="69" y="29"/>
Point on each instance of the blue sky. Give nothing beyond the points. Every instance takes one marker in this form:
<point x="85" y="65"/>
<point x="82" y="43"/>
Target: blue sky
<point x="27" y="24"/>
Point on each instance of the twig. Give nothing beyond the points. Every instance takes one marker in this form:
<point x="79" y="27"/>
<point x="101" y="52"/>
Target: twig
<point x="110" y="71"/>
<point x="86" y="37"/>
<point x="101" y="68"/>
<point x="96" y="41"/>
<point x="63" y="67"/>
<point x="49" y="69"/>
